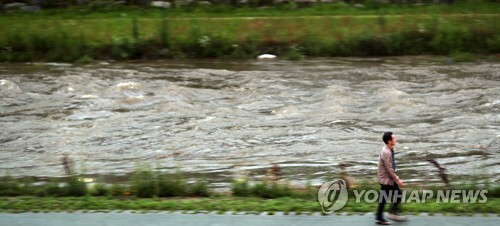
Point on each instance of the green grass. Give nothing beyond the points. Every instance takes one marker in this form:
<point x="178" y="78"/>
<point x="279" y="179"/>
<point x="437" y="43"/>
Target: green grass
<point x="222" y="205"/>
<point x="293" y="38"/>
<point x="462" y="31"/>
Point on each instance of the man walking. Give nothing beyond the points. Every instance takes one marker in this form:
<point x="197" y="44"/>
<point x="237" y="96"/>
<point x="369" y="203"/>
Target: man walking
<point x="389" y="181"/>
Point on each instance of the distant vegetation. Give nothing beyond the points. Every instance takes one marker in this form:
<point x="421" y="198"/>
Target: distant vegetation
<point x="168" y="4"/>
<point x="227" y="32"/>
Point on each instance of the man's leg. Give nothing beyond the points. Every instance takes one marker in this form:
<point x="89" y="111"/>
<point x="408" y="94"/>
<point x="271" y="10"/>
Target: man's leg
<point x="382" y="199"/>
<point x="396" y="208"/>
<point x="396" y="202"/>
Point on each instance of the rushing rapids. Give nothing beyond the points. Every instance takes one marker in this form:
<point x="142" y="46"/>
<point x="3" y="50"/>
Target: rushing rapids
<point x="226" y="117"/>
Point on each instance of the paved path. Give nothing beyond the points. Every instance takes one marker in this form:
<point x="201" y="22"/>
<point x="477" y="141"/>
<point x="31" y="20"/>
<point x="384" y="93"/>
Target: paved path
<point x="166" y="219"/>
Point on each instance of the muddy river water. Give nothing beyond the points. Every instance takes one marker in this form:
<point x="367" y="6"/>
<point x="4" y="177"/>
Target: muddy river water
<point x="220" y="119"/>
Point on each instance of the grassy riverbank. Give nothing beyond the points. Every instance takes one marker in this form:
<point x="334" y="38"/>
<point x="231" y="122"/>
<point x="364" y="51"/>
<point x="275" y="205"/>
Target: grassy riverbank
<point x="83" y="36"/>
<point x="147" y="190"/>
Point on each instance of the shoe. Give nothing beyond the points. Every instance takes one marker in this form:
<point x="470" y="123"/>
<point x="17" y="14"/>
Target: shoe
<point x="397" y="218"/>
<point x="383" y="222"/>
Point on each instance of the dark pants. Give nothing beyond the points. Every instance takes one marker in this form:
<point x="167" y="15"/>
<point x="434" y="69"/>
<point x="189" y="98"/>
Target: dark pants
<point x="391" y="194"/>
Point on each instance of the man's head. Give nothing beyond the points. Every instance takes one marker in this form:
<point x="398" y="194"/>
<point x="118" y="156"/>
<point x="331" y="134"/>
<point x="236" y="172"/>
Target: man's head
<point x="389" y="139"/>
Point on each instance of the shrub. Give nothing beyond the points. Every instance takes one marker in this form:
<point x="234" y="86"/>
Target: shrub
<point x="246" y="48"/>
<point x="295" y="53"/>
<point x="75" y="187"/>
<point x="170" y="187"/>
<point x="100" y="190"/>
<point x="200" y="188"/>
<point x="494" y="191"/>
<point x="449" y="40"/>
<point x="124" y="48"/>
<point x="212" y="46"/>
<point x="9" y="187"/>
<point x="119" y="190"/>
<point x="271" y="190"/>
<point x="144" y="184"/>
<point x="53" y="189"/>
<point x="312" y="45"/>
<point x="241" y="188"/>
